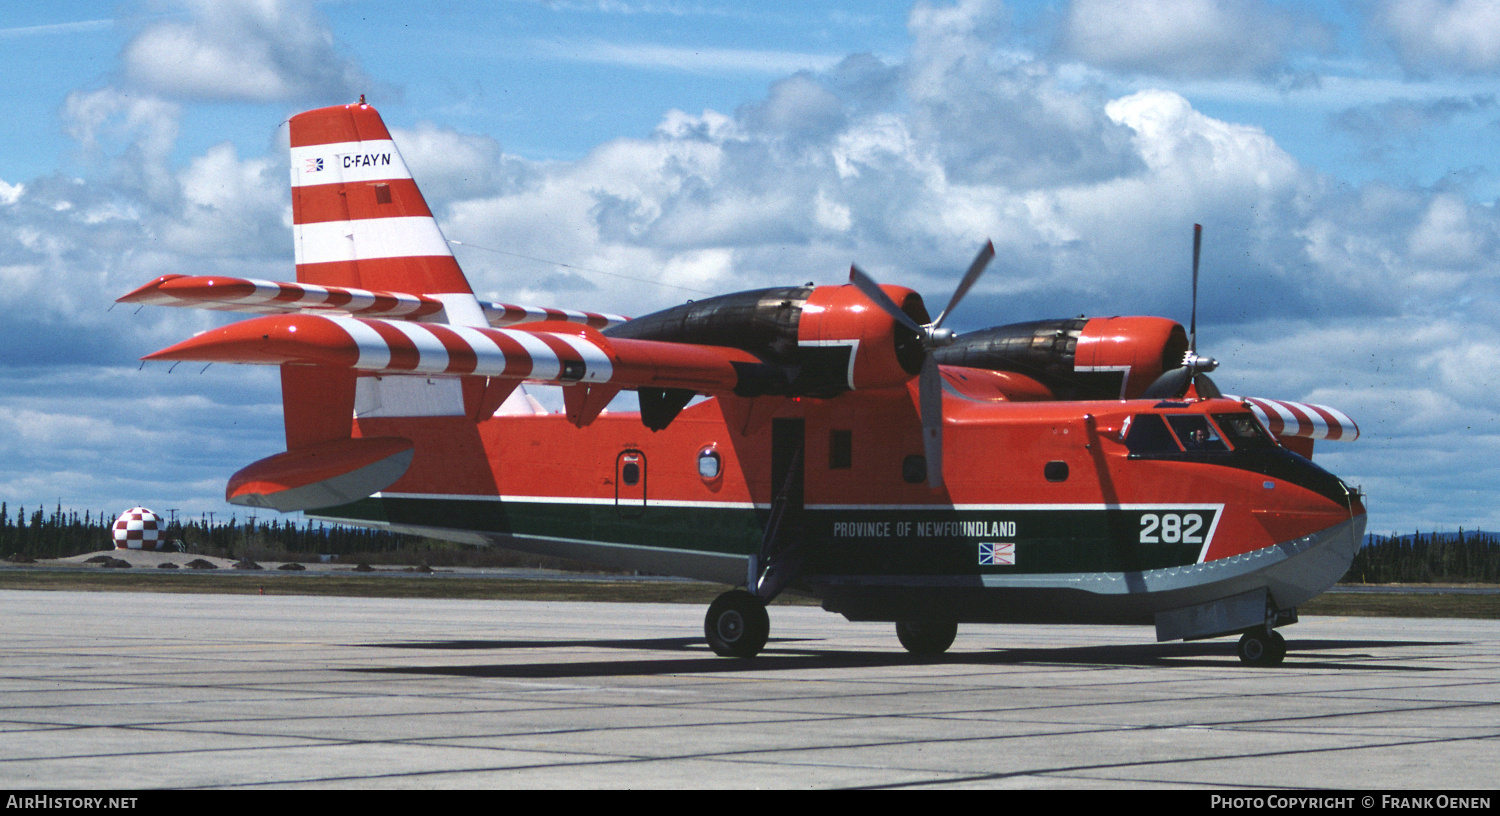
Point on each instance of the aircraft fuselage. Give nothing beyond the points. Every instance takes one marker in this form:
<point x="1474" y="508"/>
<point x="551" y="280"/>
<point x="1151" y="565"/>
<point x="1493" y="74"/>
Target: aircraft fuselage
<point x="1053" y="511"/>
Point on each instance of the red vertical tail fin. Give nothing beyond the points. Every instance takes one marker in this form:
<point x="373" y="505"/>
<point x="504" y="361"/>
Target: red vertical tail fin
<point x="358" y="219"/>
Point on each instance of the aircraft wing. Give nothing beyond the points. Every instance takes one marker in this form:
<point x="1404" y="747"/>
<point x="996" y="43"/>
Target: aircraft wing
<point x="550" y="352"/>
<point x="255" y="296"/>
<point x="1286" y="418"/>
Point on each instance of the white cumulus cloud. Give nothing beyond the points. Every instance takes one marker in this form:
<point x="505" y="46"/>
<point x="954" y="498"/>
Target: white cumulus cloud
<point x="1186" y="38"/>
<point x="1461" y="35"/>
<point x="250" y="50"/>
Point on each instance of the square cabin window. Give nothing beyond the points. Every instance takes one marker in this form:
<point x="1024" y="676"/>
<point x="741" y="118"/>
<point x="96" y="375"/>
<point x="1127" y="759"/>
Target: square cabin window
<point x="840" y="450"/>
<point x="1148" y="435"/>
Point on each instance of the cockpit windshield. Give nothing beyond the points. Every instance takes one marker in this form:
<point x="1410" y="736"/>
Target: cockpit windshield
<point x="1243" y="431"/>
<point x="1195" y="433"/>
<point x="1169" y="434"/>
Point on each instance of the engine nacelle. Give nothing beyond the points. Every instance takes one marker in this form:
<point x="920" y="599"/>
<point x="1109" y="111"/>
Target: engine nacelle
<point x="841" y="327"/>
<point x="813" y="341"/>
<point x="1077" y="358"/>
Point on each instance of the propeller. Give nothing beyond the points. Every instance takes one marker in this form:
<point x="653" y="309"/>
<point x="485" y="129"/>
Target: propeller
<point x="1174" y="383"/>
<point x="932" y="336"/>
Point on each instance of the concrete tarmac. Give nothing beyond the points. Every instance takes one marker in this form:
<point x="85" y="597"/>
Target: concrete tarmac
<point x="124" y="690"/>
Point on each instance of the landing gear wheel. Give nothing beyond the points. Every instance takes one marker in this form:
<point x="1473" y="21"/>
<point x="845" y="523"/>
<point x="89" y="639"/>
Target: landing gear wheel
<point x="1261" y="648"/>
<point x="926" y="637"/>
<point x="737" y="625"/>
<point x="1279" y="644"/>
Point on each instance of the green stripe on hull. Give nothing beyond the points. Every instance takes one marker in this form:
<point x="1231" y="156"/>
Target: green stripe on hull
<point x="843" y="541"/>
<point x="730" y="531"/>
<point x="1006" y="542"/>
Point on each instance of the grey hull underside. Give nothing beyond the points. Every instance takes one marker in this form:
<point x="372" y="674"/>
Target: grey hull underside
<point x="1292" y="573"/>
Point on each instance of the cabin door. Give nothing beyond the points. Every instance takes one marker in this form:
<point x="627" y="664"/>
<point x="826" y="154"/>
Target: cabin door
<point x="788" y="437"/>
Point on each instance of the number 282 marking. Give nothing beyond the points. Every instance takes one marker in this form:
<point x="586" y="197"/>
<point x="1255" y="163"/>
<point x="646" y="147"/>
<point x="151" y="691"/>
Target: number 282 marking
<point x="1171" y="528"/>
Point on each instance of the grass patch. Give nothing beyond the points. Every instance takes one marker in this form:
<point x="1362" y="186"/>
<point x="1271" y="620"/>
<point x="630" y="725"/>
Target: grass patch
<point x="1403" y="605"/>
<point x="603" y="589"/>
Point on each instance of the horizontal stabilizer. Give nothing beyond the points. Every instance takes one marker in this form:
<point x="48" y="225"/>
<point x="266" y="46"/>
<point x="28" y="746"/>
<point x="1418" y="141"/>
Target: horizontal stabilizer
<point x="552" y="353"/>
<point x="321" y="475"/>
<point x="1285" y="418"/>
<point x="255" y="296"/>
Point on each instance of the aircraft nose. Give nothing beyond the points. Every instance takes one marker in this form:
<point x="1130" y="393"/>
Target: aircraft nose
<point x="1283" y="466"/>
<point x="1324" y="500"/>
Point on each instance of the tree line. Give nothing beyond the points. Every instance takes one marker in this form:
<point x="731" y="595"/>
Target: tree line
<point x="60" y="533"/>
<point x="1423" y="558"/>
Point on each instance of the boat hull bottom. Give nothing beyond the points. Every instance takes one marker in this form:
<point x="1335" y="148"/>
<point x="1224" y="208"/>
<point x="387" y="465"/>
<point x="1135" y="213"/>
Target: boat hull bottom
<point x="1286" y="575"/>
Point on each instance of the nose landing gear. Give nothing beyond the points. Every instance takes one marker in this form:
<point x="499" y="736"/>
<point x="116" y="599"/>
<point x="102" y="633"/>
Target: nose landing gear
<point x="926" y="637"/>
<point x="1262" y="647"/>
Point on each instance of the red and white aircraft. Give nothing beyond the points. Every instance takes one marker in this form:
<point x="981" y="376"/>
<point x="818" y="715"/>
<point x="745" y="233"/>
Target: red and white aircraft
<point x="851" y="448"/>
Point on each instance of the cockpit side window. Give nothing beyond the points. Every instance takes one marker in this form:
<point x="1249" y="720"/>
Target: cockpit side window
<point x="1148" y="434"/>
<point x="1195" y="433"/>
<point x="1243" y="432"/>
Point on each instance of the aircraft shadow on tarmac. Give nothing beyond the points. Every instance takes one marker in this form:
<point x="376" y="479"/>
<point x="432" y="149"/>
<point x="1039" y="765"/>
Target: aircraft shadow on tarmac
<point x="785" y="654"/>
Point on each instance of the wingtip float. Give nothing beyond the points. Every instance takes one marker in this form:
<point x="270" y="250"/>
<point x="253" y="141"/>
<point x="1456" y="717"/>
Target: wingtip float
<point x="846" y="446"/>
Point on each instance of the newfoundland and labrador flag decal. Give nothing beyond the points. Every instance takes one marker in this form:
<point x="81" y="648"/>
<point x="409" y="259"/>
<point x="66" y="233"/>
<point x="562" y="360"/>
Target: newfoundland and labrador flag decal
<point x="997" y="554"/>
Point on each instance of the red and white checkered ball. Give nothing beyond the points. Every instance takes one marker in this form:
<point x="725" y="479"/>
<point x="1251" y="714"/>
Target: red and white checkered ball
<point x="138" y="529"/>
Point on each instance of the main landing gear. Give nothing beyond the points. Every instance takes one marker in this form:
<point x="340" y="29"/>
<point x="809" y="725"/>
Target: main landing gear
<point x="1262" y="647"/>
<point x="737" y="624"/>
<point x="926" y="637"/>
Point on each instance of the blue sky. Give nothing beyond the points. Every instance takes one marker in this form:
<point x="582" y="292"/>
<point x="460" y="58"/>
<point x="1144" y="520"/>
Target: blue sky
<point x="1341" y="155"/>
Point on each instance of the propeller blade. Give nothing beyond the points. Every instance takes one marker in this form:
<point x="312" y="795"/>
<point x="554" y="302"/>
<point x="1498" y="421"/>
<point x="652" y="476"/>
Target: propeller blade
<point x="872" y="290"/>
<point x="930" y="394"/>
<point x="930" y="380"/>
<point x="1205" y="387"/>
<point x="976" y="269"/>
<point x="1197" y="250"/>
<point x="1170" y="385"/>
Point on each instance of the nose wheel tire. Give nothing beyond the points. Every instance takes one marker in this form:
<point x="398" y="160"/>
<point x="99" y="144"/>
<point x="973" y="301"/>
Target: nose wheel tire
<point x="1261" y="648"/>
<point x="926" y="637"/>
<point x="737" y="625"/>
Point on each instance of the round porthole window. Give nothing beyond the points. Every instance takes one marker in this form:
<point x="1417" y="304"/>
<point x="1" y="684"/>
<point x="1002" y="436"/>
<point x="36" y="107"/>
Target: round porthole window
<point x="709" y="464"/>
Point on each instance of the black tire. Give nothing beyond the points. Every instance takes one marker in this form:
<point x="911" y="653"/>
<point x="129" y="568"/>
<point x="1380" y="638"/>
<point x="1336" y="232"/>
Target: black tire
<point x="737" y="625"/>
<point x="926" y="637"/>
<point x="1261" y="648"/>
<point x="1278" y="643"/>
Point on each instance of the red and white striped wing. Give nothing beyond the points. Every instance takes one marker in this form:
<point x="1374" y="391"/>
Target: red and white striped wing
<point x="405" y="347"/>
<point x="254" y="296"/>
<point x="506" y="314"/>
<point x="1286" y="418"/>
